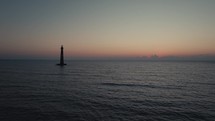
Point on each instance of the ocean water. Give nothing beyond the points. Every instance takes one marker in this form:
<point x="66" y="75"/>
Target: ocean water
<point x="107" y="91"/>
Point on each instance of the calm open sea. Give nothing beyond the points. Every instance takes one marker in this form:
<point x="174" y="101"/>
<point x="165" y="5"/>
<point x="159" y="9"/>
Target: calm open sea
<point x="107" y="91"/>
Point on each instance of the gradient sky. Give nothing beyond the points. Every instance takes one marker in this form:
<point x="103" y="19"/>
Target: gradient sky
<point x="106" y="28"/>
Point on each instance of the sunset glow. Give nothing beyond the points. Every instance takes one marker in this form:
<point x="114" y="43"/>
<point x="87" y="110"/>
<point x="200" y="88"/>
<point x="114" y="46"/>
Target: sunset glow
<point x="113" y="28"/>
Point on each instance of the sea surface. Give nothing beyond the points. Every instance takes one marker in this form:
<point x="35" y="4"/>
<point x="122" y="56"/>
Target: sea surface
<point x="107" y="91"/>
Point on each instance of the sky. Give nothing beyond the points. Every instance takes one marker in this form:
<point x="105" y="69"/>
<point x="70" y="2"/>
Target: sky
<point x="106" y="28"/>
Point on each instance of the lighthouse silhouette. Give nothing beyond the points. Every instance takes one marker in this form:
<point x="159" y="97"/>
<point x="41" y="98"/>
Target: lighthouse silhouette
<point x="61" y="57"/>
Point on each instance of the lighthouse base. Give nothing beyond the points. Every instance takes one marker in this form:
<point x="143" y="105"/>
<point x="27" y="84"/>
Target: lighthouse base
<point x="61" y="64"/>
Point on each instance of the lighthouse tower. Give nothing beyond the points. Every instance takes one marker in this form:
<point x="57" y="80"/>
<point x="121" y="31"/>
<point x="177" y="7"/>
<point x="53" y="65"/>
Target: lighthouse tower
<point x="61" y="57"/>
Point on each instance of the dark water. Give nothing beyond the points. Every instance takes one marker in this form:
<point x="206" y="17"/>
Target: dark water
<point x="107" y="91"/>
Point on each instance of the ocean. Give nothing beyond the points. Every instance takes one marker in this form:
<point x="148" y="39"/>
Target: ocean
<point x="33" y="90"/>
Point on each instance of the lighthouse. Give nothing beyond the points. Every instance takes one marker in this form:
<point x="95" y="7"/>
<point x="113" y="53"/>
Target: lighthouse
<point x="61" y="57"/>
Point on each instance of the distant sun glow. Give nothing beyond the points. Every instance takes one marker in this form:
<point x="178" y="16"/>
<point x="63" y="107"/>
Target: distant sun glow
<point x="107" y="28"/>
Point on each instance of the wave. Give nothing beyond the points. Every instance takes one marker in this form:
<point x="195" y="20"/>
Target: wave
<point x="141" y="85"/>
